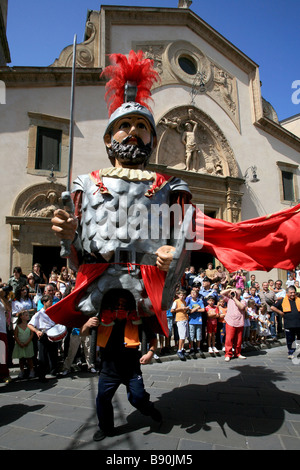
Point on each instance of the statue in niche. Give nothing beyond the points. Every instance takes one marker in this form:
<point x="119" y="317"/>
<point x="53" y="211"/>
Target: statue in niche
<point x="191" y="149"/>
<point x="213" y="163"/>
<point x="188" y="138"/>
<point x="200" y="153"/>
<point x="223" y="84"/>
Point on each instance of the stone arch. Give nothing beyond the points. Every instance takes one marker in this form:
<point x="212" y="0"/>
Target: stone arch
<point x="212" y="151"/>
<point x="31" y="225"/>
<point x="39" y="200"/>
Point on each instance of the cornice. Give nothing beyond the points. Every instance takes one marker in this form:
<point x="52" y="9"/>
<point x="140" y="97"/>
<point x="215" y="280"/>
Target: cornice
<point x="279" y="132"/>
<point x="35" y="77"/>
<point x="174" y="17"/>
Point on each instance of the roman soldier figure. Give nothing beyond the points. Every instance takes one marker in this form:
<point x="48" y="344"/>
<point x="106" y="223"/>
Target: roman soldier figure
<point x="123" y="240"/>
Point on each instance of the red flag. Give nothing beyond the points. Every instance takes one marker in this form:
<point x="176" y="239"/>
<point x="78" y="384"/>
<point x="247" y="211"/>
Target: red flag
<point x="259" y="244"/>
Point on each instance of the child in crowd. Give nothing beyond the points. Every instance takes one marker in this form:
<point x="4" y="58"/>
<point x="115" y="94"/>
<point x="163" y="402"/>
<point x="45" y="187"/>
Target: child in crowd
<point x="253" y="316"/>
<point x="263" y="323"/>
<point x="40" y="323"/>
<point x="23" y="349"/>
<point x="181" y="310"/>
<point x="53" y="279"/>
<point x="246" y="331"/>
<point x="170" y="330"/>
<point x="222" y="305"/>
<point x="212" y="324"/>
<point x="196" y="308"/>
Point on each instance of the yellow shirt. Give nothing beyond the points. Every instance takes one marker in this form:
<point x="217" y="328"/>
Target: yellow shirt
<point x="181" y="313"/>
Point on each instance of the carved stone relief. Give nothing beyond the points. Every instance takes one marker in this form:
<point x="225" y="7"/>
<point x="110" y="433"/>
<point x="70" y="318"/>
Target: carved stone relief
<point x="190" y="140"/>
<point x="39" y="201"/>
<point x="209" y="78"/>
<point x="269" y="111"/>
<point x="234" y="204"/>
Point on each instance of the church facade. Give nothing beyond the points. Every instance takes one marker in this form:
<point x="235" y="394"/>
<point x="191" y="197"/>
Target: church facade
<point x="214" y="128"/>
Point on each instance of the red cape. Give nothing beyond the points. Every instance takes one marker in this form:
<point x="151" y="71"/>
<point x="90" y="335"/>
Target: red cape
<point x="263" y="243"/>
<point x="66" y="313"/>
<point x="259" y="244"/>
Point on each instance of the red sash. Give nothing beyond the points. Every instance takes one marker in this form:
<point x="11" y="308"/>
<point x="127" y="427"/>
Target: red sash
<point x="65" y="312"/>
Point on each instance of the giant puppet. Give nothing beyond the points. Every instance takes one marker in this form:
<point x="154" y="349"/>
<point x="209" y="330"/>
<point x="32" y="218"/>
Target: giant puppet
<point x="124" y="242"/>
<point x="123" y="238"/>
<point x="120" y="242"/>
<point x="130" y="252"/>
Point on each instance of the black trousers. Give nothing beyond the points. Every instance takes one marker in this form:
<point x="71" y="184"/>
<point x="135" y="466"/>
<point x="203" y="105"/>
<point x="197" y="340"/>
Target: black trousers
<point x="47" y="356"/>
<point x="291" y="334"/>
<point x="136" y="394"/>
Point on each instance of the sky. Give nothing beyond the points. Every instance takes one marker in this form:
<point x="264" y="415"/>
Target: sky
<point x="267" y="31"/>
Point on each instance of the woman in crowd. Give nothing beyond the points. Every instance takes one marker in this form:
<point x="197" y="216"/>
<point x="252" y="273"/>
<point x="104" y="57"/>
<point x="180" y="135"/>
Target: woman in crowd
<point x="39" y="276"/>
<point x="63" y="282"/>
<point x="21" y="302"/>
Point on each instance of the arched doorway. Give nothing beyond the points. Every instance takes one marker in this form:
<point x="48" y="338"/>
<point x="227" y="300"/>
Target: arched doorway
<point x="32" y="237"/>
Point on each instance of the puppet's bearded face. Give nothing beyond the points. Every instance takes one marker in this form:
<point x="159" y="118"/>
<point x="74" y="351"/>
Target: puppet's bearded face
<point x="131" y="142"/>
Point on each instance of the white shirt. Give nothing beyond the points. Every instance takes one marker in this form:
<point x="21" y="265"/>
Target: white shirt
<point x="2" y="318"/>
<point x="281" y="294"/>
<point x="41" y="321"/>
<point x="19" y="305"/>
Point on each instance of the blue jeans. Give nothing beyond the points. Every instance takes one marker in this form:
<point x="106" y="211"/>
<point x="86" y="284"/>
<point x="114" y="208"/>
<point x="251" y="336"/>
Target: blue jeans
<point x="290" y="335"/>
<point x="136" y="393"/>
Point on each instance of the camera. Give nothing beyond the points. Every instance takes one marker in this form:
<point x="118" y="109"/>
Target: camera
<point x="232" y="294"/>
<point x="6" y="289"/>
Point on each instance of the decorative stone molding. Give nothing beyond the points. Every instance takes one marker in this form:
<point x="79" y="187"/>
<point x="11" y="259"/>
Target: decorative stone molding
<point x="208" y="77"/>
<point x="234" y="205"/>
<point x="39" y="201"/>
<point x="268" y="111"/>
<point x="15" y="229"/>
<point x="87" y="51"/>
<point x="184" y="3"/>
<point x="188" y="139"/>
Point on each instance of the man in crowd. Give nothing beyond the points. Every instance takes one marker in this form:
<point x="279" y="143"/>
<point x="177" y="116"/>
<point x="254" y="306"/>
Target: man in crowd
<point x="50" y="291"/>
<point x="289" y="308"/>
<point x="189" y="278"/>
<point x="268" y="297"/>
<point x="235" y="319"/>
<point x="18" y="279"/>
<point x="280" y="294"/>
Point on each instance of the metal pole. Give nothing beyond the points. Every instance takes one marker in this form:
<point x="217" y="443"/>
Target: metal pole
<point x="66" y="195"/>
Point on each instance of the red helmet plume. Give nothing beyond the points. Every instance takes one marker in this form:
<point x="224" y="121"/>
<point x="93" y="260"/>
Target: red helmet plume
<point x="135" y="70"/>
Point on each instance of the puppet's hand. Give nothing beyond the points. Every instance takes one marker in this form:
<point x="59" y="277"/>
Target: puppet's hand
<point x="64" y="225"/>
<point x="164" y="257"/>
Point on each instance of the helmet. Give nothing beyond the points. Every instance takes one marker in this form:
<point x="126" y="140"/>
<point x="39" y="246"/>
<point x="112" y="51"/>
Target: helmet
<point x="129" y="87"/>
<point x="127" y="109"/>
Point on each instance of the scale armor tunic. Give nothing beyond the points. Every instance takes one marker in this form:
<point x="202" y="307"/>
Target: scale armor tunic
<point x="120" y="223"/>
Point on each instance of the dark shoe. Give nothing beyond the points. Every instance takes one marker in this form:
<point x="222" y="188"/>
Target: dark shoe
<point x="181" y="355"/>
<point x="100" y="435"/>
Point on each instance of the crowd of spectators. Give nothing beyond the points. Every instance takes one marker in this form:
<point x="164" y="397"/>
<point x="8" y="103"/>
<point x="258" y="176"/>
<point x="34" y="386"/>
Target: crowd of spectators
<point x="22" y="303"/>
<point x="210" y="301"/>
<point x="212" y="311"/>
